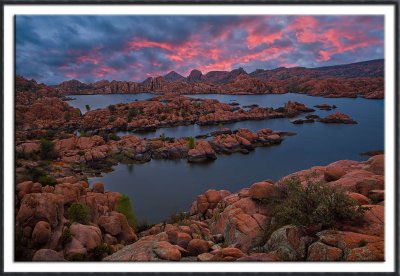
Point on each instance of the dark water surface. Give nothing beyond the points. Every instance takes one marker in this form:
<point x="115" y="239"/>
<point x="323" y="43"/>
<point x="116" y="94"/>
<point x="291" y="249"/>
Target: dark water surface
<point x="104" y="100"/>
<point x="161" y="187"/>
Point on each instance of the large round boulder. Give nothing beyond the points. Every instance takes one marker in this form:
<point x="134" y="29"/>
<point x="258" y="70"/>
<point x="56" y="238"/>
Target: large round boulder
<point x="47" y="255"/>
<point x="41" y="233"/>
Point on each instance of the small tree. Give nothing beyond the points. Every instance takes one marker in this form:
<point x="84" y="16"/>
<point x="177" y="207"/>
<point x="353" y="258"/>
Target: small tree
<point x="112" y="108"/>
<point x="47" y="150"/>
<point x="316" y="203"/>
<point x="220" y="125"/>
<point x="124" y="206"/>
<point x="67" y="116"/>
<point x="87" y="107"/>
<point x="79" y="212"/>
<point x="133" y="112"/>
<point x="191" y="143"/>
<point x="47" y="180"/>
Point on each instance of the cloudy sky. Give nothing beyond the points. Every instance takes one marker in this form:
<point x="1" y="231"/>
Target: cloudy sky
<point x="52" y="49"/>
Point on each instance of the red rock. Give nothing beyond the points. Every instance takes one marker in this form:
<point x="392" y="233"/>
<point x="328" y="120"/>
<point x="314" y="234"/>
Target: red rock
<point x="370" y="252"/>
<point x="36" y="188"/>
<point x="336" y="170"/>
<point x="376" y="164"/>
<point x="40" y="206"/>
<point x="165" y="250"/>
<point x="213" y="196"/>
<point x="231" y="252"/>
<point x="286" y="243"/>
<point x="69" y="192"/>
<point x="263" y="190"/>
<point x="338" y="118"/>
<point x="259" y="257"/>
<point x="377" y="195"/>
<point x="197" y="246"/>
<point x="179" y="238"/>
<point x="88" y="235"/>
<point x="98" y="187"/>
<point x="345" y="240"/>
<point x="359" y="198"/>
<point x="47" y="255"/>
<point x="24" y="188"/>
<point x="41" y="233"/>
<point x="322" y="252"/>
<point x="205" y="257"/>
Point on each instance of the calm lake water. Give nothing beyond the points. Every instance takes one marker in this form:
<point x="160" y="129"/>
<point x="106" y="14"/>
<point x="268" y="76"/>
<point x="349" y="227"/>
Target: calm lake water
<point x="162" y="187"/>
<point x="101" y="101"/>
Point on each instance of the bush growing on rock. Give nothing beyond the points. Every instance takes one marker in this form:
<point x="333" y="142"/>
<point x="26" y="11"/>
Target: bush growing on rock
<point x="112" y="108"/>
<point x="99" y="251"/>
<point x="191" y="143"/>
<point x="124" y="206"/>
<point x="133" y="112"/>
<point x="33" y="174"/>
<point x="47" y="150"/>
<point x="83" y="133"/>
<point x="66" y="236"/>
<point x="114" y="137"/>
<point x="179" y="218"/>
<point x="47" y="180"/>
<point x="143" y="225"/>
<point x="67" y="116"/>
<point x="79" y="212"/>
<point x="316" y="204"/>
<point x="87" y="107"/>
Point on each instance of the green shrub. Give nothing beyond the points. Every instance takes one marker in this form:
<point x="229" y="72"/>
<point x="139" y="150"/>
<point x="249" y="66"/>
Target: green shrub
<point x="47" y="150"/>
<point x="220" y="125"/>
<point x="191" y="143"/>
<point x="87" y="107"/>
<point x="82" y="133"/>
<point x="99" y="251"/>
<point x="33" y="174"/>
<point x="66" y="237"/>
<point x="165" y="138"/>
<point x="316" y="203"/>
<point x="25" y="155"/>
<point x="67" y="116"/>
<point x="362" y="243"/>
<point x="47" y="180"/>
<point x="79" y="212"/>
<point x="113" y="136"/>
<point x="143" y="225"/>
<point x="124" y="206"/>
<point x="49" y="135"/>
<point x="77" y="257"/>
<point x="112" y="108"/>
<point x="179" y="218"/>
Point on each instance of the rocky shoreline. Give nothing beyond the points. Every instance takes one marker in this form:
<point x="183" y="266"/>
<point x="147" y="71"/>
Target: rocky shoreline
<point x="350" y="80"/>
<point x="220" y="226"/>
<point x="60" y="218"/>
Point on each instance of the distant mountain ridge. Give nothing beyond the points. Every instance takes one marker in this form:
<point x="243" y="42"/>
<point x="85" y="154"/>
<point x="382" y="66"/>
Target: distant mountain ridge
<point x="347" y="80"/>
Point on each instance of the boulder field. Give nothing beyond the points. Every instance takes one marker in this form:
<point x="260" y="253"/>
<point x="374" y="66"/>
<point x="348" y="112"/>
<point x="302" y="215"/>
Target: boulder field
<point x="220" y="225"/>
<point x="76" y="151"/>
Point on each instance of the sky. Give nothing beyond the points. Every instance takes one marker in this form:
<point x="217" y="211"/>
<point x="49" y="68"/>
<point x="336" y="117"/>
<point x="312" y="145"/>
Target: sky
<point x="52" y="49"/>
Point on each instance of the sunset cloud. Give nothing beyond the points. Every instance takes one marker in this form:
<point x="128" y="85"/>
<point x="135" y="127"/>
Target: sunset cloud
<point x="52" y="49"/>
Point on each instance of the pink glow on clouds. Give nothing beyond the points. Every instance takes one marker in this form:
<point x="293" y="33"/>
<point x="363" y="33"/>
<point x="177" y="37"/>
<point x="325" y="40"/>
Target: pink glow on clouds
<point x="251" y="40"/>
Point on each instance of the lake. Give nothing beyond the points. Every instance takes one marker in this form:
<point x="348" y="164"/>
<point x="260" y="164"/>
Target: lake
<point x="104" y="100"/>
<point x="162" y="187"/>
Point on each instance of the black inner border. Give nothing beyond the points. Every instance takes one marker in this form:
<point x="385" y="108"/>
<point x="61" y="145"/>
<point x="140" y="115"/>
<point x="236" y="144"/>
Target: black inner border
<point x="394" y="3"/>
